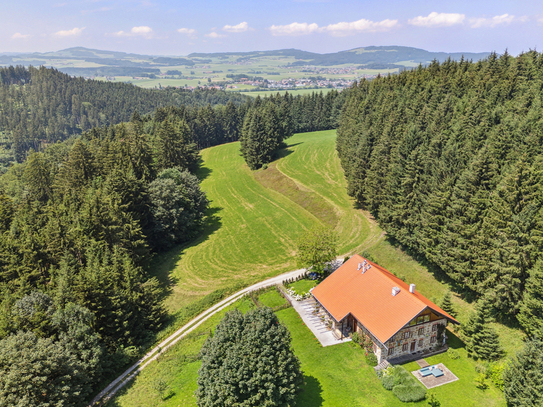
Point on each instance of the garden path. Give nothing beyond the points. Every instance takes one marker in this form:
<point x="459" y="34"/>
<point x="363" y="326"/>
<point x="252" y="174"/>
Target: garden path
<point x="313" y="321"/>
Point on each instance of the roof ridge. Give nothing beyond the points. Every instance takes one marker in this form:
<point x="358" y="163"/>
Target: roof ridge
<point x="392" y="277"/>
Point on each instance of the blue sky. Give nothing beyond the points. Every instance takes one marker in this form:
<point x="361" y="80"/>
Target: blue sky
<point x="165" y="27"/>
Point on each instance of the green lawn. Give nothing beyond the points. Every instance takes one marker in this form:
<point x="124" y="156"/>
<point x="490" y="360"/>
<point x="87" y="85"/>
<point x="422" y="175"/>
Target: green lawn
<point x="336" y="375"/>
<point x="454" y="394"/>
<point x="303" y="286"/>
<point x="272" y="299"/>
<point x="333" y="376"/>
<point x="175" y="367"/>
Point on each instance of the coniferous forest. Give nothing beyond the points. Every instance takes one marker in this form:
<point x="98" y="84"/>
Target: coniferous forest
<point x="41" y="105"/>
<point x="448" y="158"/>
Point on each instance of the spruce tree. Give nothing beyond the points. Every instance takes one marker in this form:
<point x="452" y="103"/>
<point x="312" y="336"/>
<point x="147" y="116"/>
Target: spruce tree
<point x="523" y="378"/>
<point x="483" y="342"/>
<point x="446" y="304"/>
<point x="249" y="362"/>
<point x="531" y="309"/>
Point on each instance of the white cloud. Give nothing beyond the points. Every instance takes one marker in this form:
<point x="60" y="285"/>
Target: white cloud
<point x="241" y="27"/>
<point x="214" y="35"/>
<point x="504" y="19"/>
<point x="142" y="31"/>
<point x="294" y="29"/>
<point x="74" y="32"/>
<point x="187" y="31"/>
<point x="344" y="28"/>
<point x="19" y="36"/>
<point x="438" y="20"/>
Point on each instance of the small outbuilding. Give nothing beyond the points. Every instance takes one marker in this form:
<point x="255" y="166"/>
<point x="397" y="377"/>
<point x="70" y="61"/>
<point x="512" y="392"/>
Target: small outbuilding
<point x="361" y="296"/>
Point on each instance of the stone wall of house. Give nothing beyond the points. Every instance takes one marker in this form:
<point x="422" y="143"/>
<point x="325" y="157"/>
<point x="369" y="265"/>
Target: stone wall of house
<point x="379" y="350"/>
<point x="424" y="335"/>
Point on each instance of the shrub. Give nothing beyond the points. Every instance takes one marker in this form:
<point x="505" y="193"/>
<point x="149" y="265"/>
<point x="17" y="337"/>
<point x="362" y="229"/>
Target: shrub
<point x="371" y="359"/>
<point x="403" y="384"/>
<point x="453" y="354"/>
<point x="388" y="382"/>
<point x="357" y="338"/>
<point x="495" y="374"/>
<point x="401" y="375"/>
<point x="409" y="393"/>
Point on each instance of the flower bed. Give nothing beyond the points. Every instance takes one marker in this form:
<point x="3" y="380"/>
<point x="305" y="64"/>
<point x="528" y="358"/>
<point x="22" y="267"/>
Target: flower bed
<point x="298" y="297"/>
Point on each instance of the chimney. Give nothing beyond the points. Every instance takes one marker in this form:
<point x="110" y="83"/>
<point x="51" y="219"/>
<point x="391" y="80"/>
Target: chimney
<point x="395" y="291"/>
<point x="359" y="266"/>
<point x="412" y="288"/>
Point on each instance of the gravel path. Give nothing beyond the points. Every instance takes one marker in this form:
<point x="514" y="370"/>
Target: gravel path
<point x="171" y="340"/>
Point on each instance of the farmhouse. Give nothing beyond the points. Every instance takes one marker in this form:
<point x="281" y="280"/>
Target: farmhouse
<point x="363" y="297"/>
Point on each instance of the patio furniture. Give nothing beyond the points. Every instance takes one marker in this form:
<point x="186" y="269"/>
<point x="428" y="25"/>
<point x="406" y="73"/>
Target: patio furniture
<point x="431" y="370"/>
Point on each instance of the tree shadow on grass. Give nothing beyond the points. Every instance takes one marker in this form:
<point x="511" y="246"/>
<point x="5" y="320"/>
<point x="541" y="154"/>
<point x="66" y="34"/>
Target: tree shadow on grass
<point x="311" y="394"/>
<point x="203" y="172"/>
<point x="454" y="341"/>
<point x="164" y="263"/>
<point x="465" y="293"/>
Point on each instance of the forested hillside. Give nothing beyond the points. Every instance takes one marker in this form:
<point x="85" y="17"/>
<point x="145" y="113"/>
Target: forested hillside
<point x="40" y="106"/>
<point x="78" y="223"/>
<point x="449" y="159"/>
<point x="212" y="126"/>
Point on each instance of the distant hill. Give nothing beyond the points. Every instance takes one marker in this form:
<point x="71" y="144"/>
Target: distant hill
<point x="363" y="56"/>
<point x="85" y="61"/>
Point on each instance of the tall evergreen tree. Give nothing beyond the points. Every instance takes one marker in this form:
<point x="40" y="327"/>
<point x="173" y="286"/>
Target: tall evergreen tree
<point x="531" y="309"/>
<point x="447" y="305"/>
<point x="483" y="341"/>
<point x="523" y="378"/>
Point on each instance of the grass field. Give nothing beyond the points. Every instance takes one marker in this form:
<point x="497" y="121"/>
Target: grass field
<point x="250" y="234"/>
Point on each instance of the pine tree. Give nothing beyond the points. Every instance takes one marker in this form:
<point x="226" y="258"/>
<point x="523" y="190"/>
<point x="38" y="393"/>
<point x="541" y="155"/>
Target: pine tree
<point x="37" y="177"/>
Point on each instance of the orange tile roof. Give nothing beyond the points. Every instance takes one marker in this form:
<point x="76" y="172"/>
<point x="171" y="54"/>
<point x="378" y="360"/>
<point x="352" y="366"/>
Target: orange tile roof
<point x="368" y="297"/>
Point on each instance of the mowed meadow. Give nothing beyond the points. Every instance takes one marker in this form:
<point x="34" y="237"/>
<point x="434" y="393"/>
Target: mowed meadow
<point x="255" y="218"/>
<point x="254" y="221"/>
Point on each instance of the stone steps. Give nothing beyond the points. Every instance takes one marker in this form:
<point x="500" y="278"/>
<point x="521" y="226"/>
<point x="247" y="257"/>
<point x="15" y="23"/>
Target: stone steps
<point x="383" y="365"/>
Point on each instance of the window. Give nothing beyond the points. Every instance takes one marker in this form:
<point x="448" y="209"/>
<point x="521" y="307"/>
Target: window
<point x="421" y="331"/>
<point x="433" y="339"/>
<point x="404" y="347"/>
<point x="391" y="351"/>
<point x="426" y="318"/>
<point x="406" y="335"/>
<point x="421" y="342"/>
<point x="434" y="327"/>
<point x="413" y="322"/>
<point x="420" y="319"/>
